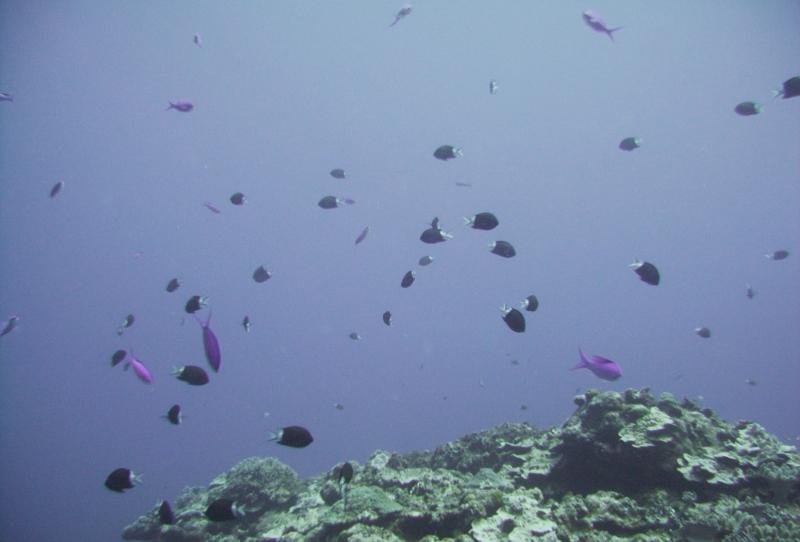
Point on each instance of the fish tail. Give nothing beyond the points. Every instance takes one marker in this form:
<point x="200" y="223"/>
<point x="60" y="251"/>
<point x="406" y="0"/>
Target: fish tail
<point x="170" y="106"/>
<point x="776" y="92"/>
<point x="611" y="31"/>
<point x="468" y="221"/>
<point x="583" y="363"/>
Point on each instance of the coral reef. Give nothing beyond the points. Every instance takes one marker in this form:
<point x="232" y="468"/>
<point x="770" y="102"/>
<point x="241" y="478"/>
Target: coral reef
<point x="624" y="467"/>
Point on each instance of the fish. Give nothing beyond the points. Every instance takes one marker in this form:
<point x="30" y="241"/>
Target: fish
<point x="530" y="303"/>
<point x="126" y="323"/>
<point x="211" y="207"/>
<point x="425" y="260"/>
<point x="337" y="173"/>
<point x="197" y="40"/>
<point x="602" y="367"/>
<point x="238" y="199"/>
<point x="523" y="407"/>
<point x="502" y="248"/>
<point x="118" y="357"/>
<point x="224" y="510"/>
<point x="630" y="143"/>
<point x="482" y="221"/>
<point x="182" y="106"/>
<point x="387" y="318"/>
<point x="191" y="374"/>
<point x="362" y="235"/>
<point x="165" y="514"/>
<point x="293" y="436"/>
<point x="338" y="406"/>
<point x="332" y="202"/>
<point x="355" y="336"/>
<point x="174" y="415"/>
<point x="11" y="325"/>
<point x="405" y="11"/>
<point x="749" y="292"/>
<point x="121" y="479"/>
<point x="777" y="255"/>
<point x="448" y="152"/>
<point x="746" y="109"/>
<point x="750" y="382"/>
<point x="246" y="323"/>
<point x="789" y="89"/>
<point x="6" y="97"/>
<point x="596" y="23"/>
<point x="345" y="475"/>
<point x="195" y="303"/>
<point x="513" y="319"/>
<point x="703" y="332"/>
<point x="493" y="87"/>
<point x="408" y="279"/>
<point x="261" y="274"/>
<point x="210" y="344"/>
<point x="56" y="189"/>
<point x="647" y="272"/>
<point x="434" y="234"/>
<point x="173" y="285"/>
<point x="461" y="183"/>
<point x="140" y="369"/>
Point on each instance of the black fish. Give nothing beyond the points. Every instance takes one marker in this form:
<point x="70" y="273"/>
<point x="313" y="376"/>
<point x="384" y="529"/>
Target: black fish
<point x="482" y="221"/>
<point x="502" y="248"/>
<point x="355" y="336"/>
<point x="238" y="199"/>
<point x="434" y="234"/>
<point x="261" y="274"/>
<point x="118" y="357"/>
<point x="408" y="279"/>
<point x="224" y="510"/>
<point x="703" y="332"/>
<point x="345" y="475"/>
<point x="747" y="109"/>
<point x="425" y="260"/>
<point x="513" y="319"/>
<point x="630" y="143"/>
<point x="337" y="173"/>
<point x="120" y="479"/>
<point x="56" y="189"/>
<point x="165" y="514"/>
<point x="174" y="415"/>
<point x="192" y="374"/>
<point x="446" y="152"/>
<point x="195" y="303"/>
<point x="293" y="436"/>
<point x="778" y="255"/>
<point x="126" y="323"/>
<point x="173" y="285"/>
<point x="387" y="318"/>
<point x="530" y="303"/>
<point x="647" y="272"/>
<point x="790" y="89"/>
<point x="332" y="202"/>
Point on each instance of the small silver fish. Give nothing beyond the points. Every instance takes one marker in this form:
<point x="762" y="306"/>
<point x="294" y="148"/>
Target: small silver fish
<point x="493" y="87"/>
<point x="246" y="323"/>
<point x="197" y="40"/>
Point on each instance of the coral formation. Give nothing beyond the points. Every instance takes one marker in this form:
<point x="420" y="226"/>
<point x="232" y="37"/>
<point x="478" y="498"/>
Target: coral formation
<point x="624" y="467"/>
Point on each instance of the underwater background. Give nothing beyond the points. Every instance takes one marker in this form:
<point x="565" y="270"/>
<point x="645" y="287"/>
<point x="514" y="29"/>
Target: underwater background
<point x="284" y="92"/>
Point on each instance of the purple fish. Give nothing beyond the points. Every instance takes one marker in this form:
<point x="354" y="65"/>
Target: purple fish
<point x="602" y="367"/>
<point x="182" y="106"/>
<point x="10" y="325"/>
<point x="210" y="344"/>
<point x="362" y="235"/>
<point x="211" y="207"/>
<point x="141" y="371"/>
<point x="596" y="23"/>
<point x="405" y="11"/>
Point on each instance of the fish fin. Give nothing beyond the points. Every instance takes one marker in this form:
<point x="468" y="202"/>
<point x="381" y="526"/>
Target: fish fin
<point x="583" y="363"/>
<point x="611" y="31"/>
<point x="170" y="106"/>
<point x="469" y="221"/>
<point x="776" y="92"/>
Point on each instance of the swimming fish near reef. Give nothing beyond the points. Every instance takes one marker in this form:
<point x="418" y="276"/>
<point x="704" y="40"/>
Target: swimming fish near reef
<point x="502" y="248"/>
<point x="337" y="173"/>
<point x="405" y="11"/>
<point x="293" y="436"/>
<point x="789" y="89"/>
<point x="261" y="274"/>
<point x="238" y="199"/>
<point x="777" y="255"/>
<point x="332" y="202"/>
<point x="210" y="344"/>
<point x="602" y="367"/>
<point x="173" y="285"/>
<point x="434" y="234"/>
<point x="224" y="510"/>
<point x="174" y="415"/>
<point x="191" y="374"/>
<point x="596" y="23"/>
<point x="425" y="260"/>
<point x="182" y="106"/>
<point x="10" y="326"/>
<point x="118" y="357"/>
<point x="513" y="319"/>
<point x="530" y="303"/>
<point x="56" y="189"/>
<point x="482" y="221"/>
<point x="121" y="479"/>
<point x="647" y="272"/>
<point x="140" y="369"/>
<point x="408" y="279"/>
<point x="447" y="152"/>
<point x="703" y="332"/>
<point x="165" y="514"/>
<point x="195" y="303"/>
<point x="630" y="143"/>
<point x="345" y="474"/>
<point x="362" y="235"/>
<point x="126" y="323"/>
<point x="387" y="318"/>
<point x="746" y="109"/>
<point x="246" y="323"/>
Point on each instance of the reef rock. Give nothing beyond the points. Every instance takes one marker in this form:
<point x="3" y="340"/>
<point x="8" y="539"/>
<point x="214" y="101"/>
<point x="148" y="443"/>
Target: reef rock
<point x="624" y="466"/>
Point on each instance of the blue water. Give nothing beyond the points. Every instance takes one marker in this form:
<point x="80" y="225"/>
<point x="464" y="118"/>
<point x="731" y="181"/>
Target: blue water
<point x="286" y="91"/>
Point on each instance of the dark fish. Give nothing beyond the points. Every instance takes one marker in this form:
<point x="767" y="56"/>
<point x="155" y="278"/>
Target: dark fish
<point x="174" y="415"/>
<point x="493" y="87"/>
<point x="790" y="89"/>
<point x="211" y="207"/>
<point x="11" y="324"/>
<point x="246" y="324"/>
<point x="6" y="97"/>
<point x="387" y="318"/>
<point x="425" y="260"/>
<point x="482" y="221"/>
<point x="502" y="248"/>
<point x="56" y="189"/>
<point x="118" y="357"/>
<point x="530" y="303"/>
<point x="362" y="235"/>
<point x="750" y="293"/>
<point x="447" y="152"/>
<point x="460" y="183"/>
<point x="126" y="323"/>
<point x="408" y="279"/>
<point x="337" y="173"/>
<point x="746" y="109"/>
<point x="338" y="406"/>
<point x="345" y="475"/>
<point x="778" y="255"/>
<point x="630" y="143"/>
<point x="404" y="12"/>
<point x="647" y="272"/>
<point x="355" y="336"/>
<point x="165" y="514"/>
<point x="703" y="332"/>
<point x="173" y="285"/>
<point x="224" y="510"/>
<point x="332" y="202"/>
<point x="750" y="382"/>
<point x="191" y="374"/>
<point x="523" y="407"/>
<point x="434" y="234"/>
<point x="195" y="303"/>
<point x="596" y="23"/>
<point x="197" y="40"/>
<point x="513" y="319"/>
<point x="238" y="199"/>
<point x="182" y="106"/>
<point x="262" y="274"/>
<point x="121" y="479"/>
<point x="293" y="436"/>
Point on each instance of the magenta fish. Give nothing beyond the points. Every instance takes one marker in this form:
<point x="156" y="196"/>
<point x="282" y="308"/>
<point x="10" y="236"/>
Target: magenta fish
<point x="139" y="368"/>
<point x="182" y="106"/>
<point x="210" y="344"/>
<point x="596" y="23"/>
<point x="602" y="367"/>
